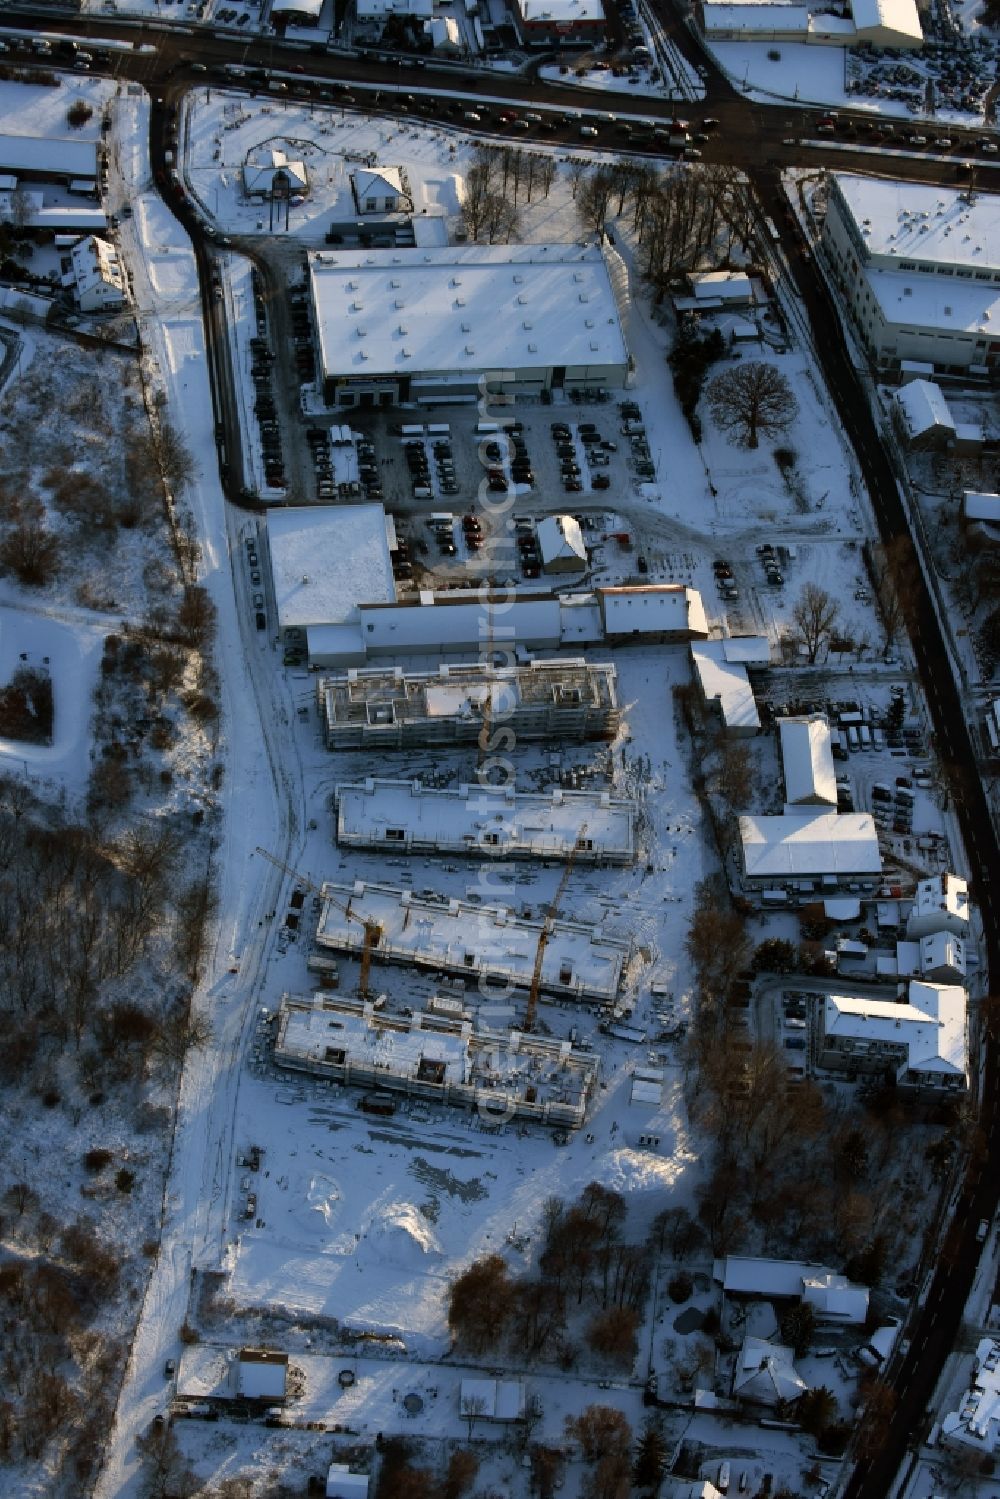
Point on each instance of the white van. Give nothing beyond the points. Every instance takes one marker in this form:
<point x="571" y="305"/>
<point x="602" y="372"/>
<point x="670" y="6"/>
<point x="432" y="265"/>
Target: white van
<point x="723" y="1479"/>
<point x="588" y="132"/>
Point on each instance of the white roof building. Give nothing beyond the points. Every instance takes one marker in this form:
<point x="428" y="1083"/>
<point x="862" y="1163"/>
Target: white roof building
<point x="561" y="543"/>
<point x="492" y="1399"/>
<point x="887" y="23"/>
<point x="55" y="216"/>
<point x="834" y="1297"/>
<point x="299" y="12"/>
<point x="263" y="165"/>
<point x="261" y="1375"/>
<point x="410" y="325"/>
<point x="326" y="560"/>
<point x="976" y="1423"/>
<point x="923" y="414"/>
<point x="664" y="610"/>
<point x="807" y="759"/>
<point x="942" y="957"/>
<point x="824" y="847"/>
<point x="919" y="266"/>
<point x="456" y="936"/>
<point x="444" y="34"/>
<point x="765" y="1373"/>
<point x="940" y="904"/>
<point x="486" y="821"/>
<point x="724" y="680"/>
<point x="48" y="156"/>
<point x="732" y="287"/>
<point x="379" y="190"/>
<point x="341" y="1483"/>
<point x="97" y="275"/>
<point x="924" y="1042"/>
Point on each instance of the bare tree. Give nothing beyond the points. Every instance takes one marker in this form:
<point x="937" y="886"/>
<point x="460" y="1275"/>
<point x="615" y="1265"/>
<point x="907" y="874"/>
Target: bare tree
<point x="473" y="1406"/>
<point x="594" y="198"/>
<point x="31" y="552"/>
<point x="174" y="456"/>
<point x="577" y="168"/>
<point x="815" y="615"/>
<point x="750" y="400"/>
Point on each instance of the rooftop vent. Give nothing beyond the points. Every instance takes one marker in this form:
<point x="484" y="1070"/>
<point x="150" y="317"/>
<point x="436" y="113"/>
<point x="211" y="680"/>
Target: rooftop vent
<point x="470" y="349"/>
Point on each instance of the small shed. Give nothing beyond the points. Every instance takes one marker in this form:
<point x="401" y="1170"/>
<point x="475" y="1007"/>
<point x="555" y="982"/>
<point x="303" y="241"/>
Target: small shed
<point x="561" y="544"/>
<point x="261" y="1375"/>
<point x="493" y="1399"/>
<point x="341" y="1483"/>
<point x="262" y="168"/>
<point x="922" y="415"/>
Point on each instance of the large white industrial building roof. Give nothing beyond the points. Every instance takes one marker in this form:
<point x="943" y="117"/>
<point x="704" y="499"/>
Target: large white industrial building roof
<point x="913" y="300"/>
<point x="471" y="307"/>
<point x="810" y="846"/>
<point x="922" y="221"/>
<point x="328" y="559"/>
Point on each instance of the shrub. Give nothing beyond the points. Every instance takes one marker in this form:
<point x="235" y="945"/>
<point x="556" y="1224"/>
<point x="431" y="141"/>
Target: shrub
<point x="189" y="1334"/>
<point x="125" y="1180"/>
<point x="680" y="1287"/>
<point x="785" y="458"/>
<point x="96" y="1160"/>
<point x="78" y="114"/>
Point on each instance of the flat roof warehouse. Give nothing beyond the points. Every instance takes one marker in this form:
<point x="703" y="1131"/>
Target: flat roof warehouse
<point x="465" y="308"/>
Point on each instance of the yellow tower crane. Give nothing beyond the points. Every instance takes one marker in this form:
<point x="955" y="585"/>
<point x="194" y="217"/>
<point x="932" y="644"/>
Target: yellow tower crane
<point x="373" y="929"/>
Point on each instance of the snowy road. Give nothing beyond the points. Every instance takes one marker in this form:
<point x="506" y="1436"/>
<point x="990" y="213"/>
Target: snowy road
<point x="260" y="803"/>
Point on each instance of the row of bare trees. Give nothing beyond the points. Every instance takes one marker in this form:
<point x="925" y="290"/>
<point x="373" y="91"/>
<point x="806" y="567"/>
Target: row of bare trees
<point x="500" y="180"/>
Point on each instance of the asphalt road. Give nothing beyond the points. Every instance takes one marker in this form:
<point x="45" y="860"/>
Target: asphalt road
<point x="759" y="139"/>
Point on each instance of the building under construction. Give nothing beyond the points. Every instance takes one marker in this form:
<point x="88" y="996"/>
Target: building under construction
<point x="386" y="708"/>
<point x="476" y="941"/>
<point x="438" y="1058"/>
<point x="592" y="827"/>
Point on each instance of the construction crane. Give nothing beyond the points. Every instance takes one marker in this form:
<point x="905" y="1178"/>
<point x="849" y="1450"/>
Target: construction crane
<point x="373" y="929"/>
<point x="546" y="932"/>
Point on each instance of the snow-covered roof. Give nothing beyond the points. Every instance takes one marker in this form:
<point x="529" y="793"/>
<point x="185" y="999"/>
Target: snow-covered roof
<point x="341" y="1483"/>
<point x="384" y="182"/>
<point x="810" y="845"/>
<point x="834" y="1298"/>
<point x="561" y="12"/>
<point x="729" y="286"/>
<point x="96" y="265"/>
<point x="50" y="155"/>
<point x="923" y="407"/>
<point x="443" y="31"/>
<point x="942" y="950"/>
<point x="260" y="169"/>
<point x="766" y="1372"/>
<point x="327" y="559"/>
<point x="923" y="221"/>
<point x="358" y="1042"/>
<point x="658" y="608"/>
<point x="560" y="540"/>
<point x="807" y="760"/>
<point x="493" y="1399"/>
<point x="456" y="622"/>
<point x="485" y="820"/>
<point x="976" y="1423"/>
<point x="879" y="16"/>
<point x="979" y="506"/>
<point x="462" y="937"/>
<point x="921" y="301"/>
<point x="41" y="215"/>
<point x="931" y="1027"/>
<point x="751" y="650"/>
<point x="725" y="682"/>
<point x="942" y="898"/>
<point x="464" y="307"/>
<point x="261" y="1375"/>
<point x="751" y="1275"/>
<point x="747" y="16"/>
